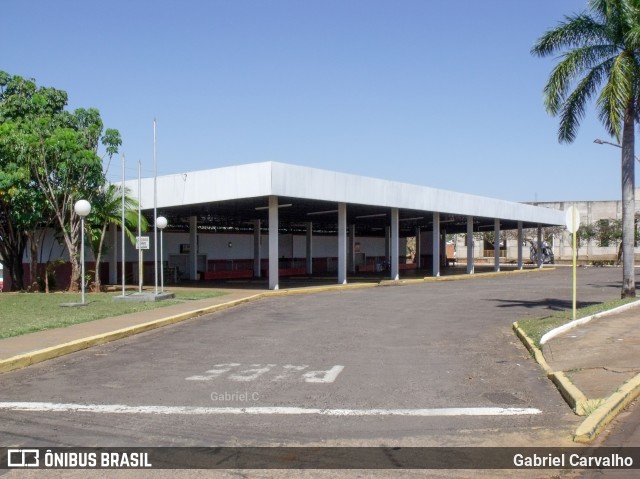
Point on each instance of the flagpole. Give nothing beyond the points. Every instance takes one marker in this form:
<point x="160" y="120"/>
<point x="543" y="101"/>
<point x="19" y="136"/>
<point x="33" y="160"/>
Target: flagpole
<point x="139" y="226"/>
<point x="155" y="207"/>
<point x="123" y="224"/>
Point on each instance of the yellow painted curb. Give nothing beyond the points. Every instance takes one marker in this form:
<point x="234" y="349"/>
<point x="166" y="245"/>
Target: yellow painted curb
<point x="456" y="277"/>
<point x="400" y="282"/>
<point x="319" y="289"/>
<point x="571" y="394"/>
<point x="574" y="397"/>
<point x="533" y="349"/>
<point x="596" y="422"/>
<point x="598" y="419"/>
<point x="27" y="359"/>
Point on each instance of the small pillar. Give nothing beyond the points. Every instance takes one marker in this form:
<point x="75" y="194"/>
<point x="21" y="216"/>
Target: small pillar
<point x="520" y="241"/>
<point x="274" y="265"/>
<point x="342" y="243"/>
<point x="436" y="244"/>
<point x="395" y="244"/>
<point x="470" y="252"/>
<point x="539" y="256"/>
<point x="496" y="245"/>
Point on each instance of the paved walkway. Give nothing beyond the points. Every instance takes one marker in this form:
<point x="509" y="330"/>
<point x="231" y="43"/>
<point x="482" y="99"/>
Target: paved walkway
<point x="599" y="356"/>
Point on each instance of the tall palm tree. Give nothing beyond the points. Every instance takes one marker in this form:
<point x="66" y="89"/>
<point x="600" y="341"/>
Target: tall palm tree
<point x="600" y="55"/>
<point x="107" y="210"/>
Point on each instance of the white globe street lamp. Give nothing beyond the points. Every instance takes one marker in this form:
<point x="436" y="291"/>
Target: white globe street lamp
<point x="161" y="224"/>
<point x="82" y="209"/>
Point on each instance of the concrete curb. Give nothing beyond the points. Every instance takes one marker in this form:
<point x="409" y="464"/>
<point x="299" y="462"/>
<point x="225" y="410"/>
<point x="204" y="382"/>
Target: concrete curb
<point x="609" y="409"/>
<point x="530" y="345"/>
<point x="574" y="397"/>
<point x="603" y="414"/>
<point x="455" y="277"/>
<point x="400" y="282"/>
<point x="318" y="289"/>
<point x="566" y="327"/>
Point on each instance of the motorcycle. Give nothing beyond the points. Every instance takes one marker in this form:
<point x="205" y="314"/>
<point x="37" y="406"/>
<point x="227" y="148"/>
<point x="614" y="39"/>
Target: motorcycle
<point x="546" y="256"/>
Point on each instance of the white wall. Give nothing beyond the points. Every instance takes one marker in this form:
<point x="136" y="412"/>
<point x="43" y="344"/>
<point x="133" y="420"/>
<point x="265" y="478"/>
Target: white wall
<point x="216" y="246"/>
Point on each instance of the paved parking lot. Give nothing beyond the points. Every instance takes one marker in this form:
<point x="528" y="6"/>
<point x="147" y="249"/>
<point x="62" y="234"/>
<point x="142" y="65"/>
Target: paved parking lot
<point x="424" y="364"/>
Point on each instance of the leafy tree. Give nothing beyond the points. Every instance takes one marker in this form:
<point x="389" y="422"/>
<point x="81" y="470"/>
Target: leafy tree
<point x="584" y="236"/>
<point x="600" y="55"/>
<point x="60" y="150"/>
<point x="22" y="205"/>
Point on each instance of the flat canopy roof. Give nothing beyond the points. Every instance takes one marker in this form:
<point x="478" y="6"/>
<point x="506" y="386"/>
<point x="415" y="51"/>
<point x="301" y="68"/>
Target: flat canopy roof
<point x="229" y="197"/>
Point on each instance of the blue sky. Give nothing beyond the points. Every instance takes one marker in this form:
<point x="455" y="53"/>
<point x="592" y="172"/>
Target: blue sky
<point x="438" y="93"/>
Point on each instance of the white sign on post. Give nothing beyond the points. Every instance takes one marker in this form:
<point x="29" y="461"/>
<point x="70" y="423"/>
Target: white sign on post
<point x="572" y="219"/>
<point x="142" y="242"/>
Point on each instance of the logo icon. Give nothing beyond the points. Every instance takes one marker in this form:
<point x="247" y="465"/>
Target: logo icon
<point x="23" y="458"/>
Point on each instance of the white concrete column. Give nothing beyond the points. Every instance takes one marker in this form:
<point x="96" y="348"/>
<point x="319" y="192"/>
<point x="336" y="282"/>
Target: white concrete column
<point x="113" y="256"/>
<point x="351" y="249"/>
<point x="520" y="240"/>
<point x="274" y="265"/>
<point x="496" y="245"/>
<point x="342" y="243"/>
<point x="539" y="258"/>
<point x="436" y="244"/>
<point x="257" y="256"/>
<point x="470" y="256"/>
<point x="395" y="244"/>
<point x="309" y="251"/>
<point x="193" y="243"/>
<point x="418" y="249"/>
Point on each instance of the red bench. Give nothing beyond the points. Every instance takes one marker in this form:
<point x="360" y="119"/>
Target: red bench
<point x="242" y="273"/>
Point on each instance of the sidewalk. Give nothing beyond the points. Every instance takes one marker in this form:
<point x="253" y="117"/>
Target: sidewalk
<point x="599" y="356"/>
<point x="20" y="351"/>
<point x="601" y="360"/>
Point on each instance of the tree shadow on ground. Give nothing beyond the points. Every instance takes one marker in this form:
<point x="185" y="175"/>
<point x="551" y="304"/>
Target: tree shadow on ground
<point x="606" y="285"/>
<point x="547" y="303"/>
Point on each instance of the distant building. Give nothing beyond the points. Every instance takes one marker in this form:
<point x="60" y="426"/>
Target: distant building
<point x="602" y="217"/>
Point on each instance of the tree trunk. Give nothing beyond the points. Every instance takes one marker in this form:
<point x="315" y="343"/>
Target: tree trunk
<point x="72" y="240"/>
<point x="14" y="266"/>
<point x="33" y="265"/>
<point x="12" y="246"/>
<point x="628" y="205"/>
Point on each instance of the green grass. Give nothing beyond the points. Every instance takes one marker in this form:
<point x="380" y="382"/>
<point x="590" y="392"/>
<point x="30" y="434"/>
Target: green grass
<point x="22" y="313"/>
<point x="538" y="327"/>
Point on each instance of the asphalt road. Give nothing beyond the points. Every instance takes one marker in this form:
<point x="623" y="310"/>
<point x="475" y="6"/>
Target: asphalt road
<point x="434" y="347"/>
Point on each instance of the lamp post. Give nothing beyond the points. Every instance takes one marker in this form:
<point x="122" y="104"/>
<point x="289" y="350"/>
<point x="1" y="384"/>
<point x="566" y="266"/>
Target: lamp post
<point x="82" y="209"/>
<point x="602" y="142"/>
<point x="161" y="224"/>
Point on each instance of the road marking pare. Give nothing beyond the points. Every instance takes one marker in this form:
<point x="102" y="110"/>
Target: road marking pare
<point x="251" y="372"/>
